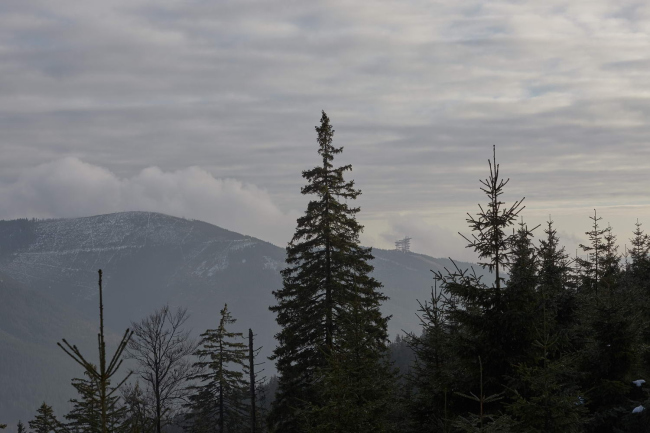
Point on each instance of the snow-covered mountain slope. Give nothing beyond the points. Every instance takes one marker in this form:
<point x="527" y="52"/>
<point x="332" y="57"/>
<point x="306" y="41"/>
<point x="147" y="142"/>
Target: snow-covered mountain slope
<point x="149" y="259"/>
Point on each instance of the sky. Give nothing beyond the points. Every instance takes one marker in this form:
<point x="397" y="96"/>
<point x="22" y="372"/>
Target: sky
<point x="206" y="110"/>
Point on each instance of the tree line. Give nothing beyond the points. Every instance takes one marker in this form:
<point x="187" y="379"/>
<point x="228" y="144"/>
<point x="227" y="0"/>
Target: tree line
<point x="550" y="343"/>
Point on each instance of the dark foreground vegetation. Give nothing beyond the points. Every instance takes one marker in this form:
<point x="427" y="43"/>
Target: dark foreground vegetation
<point x="549" y="343"/>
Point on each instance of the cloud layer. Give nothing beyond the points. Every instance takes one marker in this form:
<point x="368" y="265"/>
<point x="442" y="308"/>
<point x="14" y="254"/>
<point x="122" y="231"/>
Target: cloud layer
<point x="70" y="187"/>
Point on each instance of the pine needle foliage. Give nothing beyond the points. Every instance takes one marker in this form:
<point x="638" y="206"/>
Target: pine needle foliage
<point x="326" y="265"/>
<point x="610" y="355"/>
<point x="482" y="421"/>
<point x="358" y="385"/>
<point x="591" y="266"/>
<point x="548" y="398"/>
<point x="434" y="371"/>
<point x="556" y="286"/>
<point x="86" y="413"/>
<point x="45" y="421"/>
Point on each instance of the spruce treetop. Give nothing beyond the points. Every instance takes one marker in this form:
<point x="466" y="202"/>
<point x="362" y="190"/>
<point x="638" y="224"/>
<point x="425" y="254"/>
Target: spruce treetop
<point x="489" y="238"/>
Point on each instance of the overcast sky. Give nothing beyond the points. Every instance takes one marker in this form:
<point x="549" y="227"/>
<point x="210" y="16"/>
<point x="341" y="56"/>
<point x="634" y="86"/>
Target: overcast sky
<point x="206" y="109"/>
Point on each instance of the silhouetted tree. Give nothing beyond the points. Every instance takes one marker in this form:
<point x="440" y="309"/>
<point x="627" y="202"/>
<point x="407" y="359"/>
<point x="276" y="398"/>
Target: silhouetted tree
<point x="219" y="400"/>
<point x="547" y="398"/>
<point x="161" y="347"/>
<point x="612" y="332"/>
<point x="139" y="410"/>
<point x="484" y="325"/>
<point x="107" y="368"/>
<point x="490" y="238"/>
<point x="433" y="375"/>
<point x="591" y="266"/>
<point x="45" y="421"/>
<point x="324" y="258"/>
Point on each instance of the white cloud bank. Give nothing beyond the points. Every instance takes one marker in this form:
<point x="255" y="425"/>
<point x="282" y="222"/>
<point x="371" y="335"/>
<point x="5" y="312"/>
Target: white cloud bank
<point x="69" y="187"/>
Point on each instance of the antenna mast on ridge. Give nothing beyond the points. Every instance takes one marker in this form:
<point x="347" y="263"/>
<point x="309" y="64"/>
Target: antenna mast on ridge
<point x="403" y="245"/>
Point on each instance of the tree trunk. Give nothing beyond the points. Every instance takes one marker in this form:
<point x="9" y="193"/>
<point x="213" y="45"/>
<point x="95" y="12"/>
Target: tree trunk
<point x="251" y="362"/>
<point x="221" y="423"/>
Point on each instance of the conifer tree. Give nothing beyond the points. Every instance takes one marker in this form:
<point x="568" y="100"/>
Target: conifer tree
<point x="547" y="400"/>
<point x="358" y="386"/>
<point x="638" y="277"/>
<point x="45" y="420"/>
<point x="218" y="403"/>
<point x="640" y="255"/>
<point x="547" y="397"/>
<point x="21" y="427"/>
<point x="86" y="414"/>
<point x="612" y="332"/>
<point x="519" y="302"/>
<point x="591" y="267"/>
<point x="483" y="421"/>
<point x="483" y="325"/>
<point x="556" y="288"/>
<point x="324" y="261"/>
<point x="107" y="368"/>
<point x="490" y="238"/>
<point x="434" y="370"/>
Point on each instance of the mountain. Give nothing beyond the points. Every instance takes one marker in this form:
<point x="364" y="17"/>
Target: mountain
<point x="150" y="259"/>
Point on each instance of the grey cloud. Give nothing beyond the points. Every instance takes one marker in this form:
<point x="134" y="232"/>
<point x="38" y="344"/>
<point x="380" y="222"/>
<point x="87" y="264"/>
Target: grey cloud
<point x="70" y="187"/>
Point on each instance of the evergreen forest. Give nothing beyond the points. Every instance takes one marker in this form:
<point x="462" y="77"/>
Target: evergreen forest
<point x="547" y="342"/>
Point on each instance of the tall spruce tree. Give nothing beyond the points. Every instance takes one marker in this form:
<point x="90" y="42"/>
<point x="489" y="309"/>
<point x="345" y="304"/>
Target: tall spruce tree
<point x="326" y="265"/>
<point x="218" y="403"/>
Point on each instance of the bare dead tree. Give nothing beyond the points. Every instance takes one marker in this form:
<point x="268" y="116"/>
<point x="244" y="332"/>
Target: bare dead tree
<point x="161" y="347"/>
